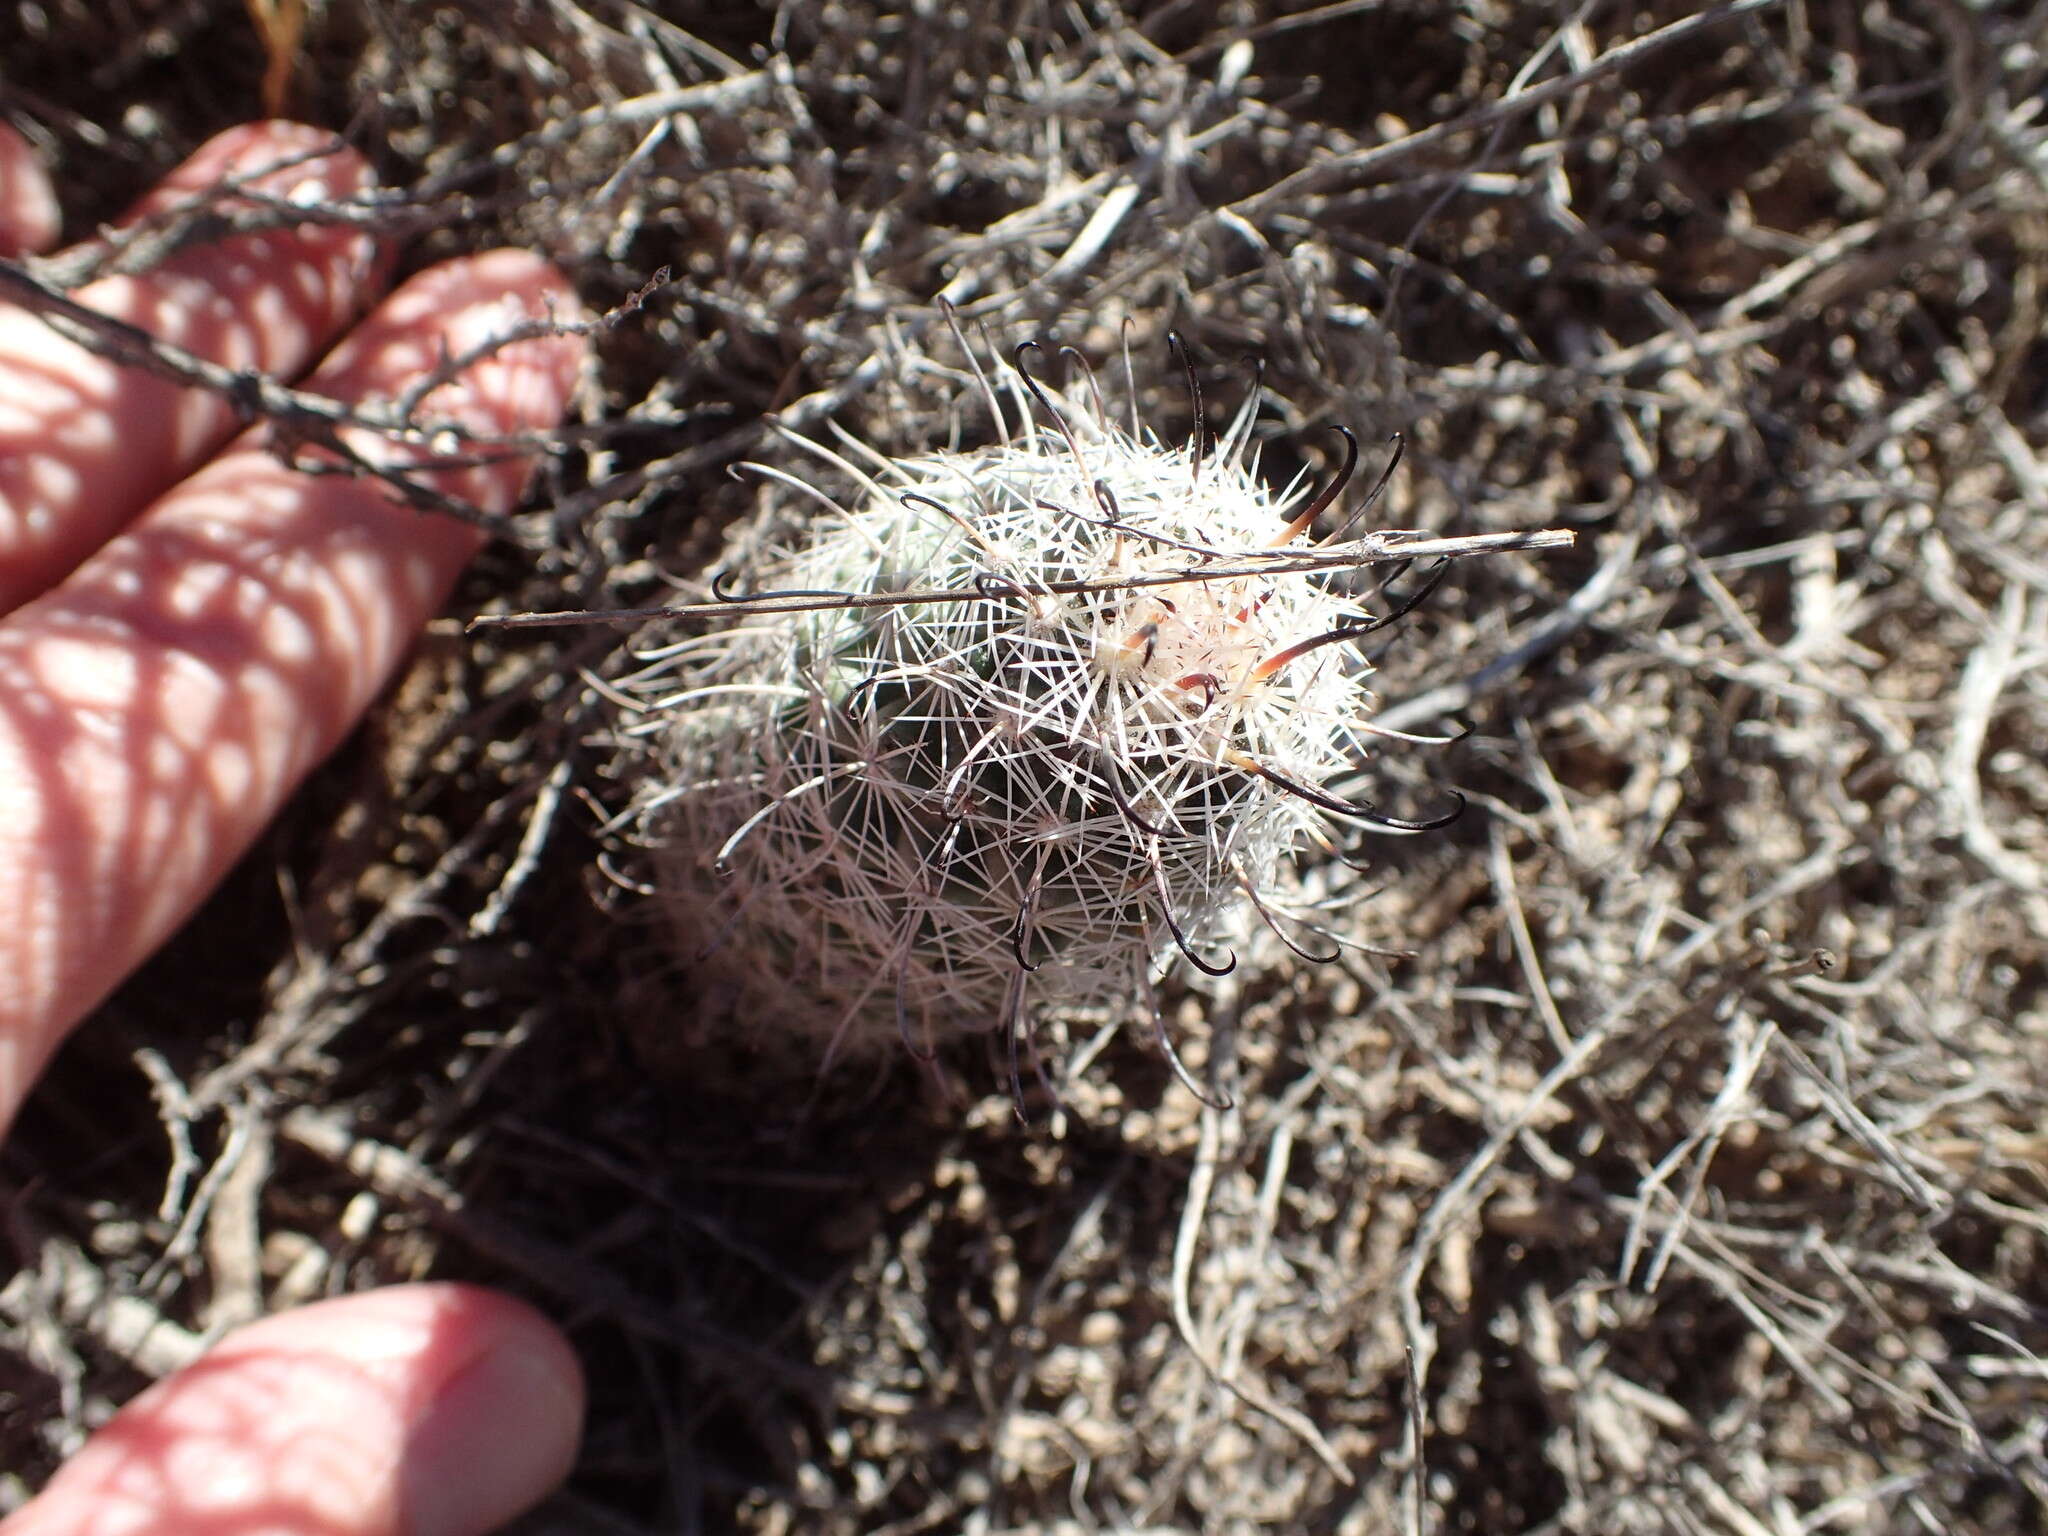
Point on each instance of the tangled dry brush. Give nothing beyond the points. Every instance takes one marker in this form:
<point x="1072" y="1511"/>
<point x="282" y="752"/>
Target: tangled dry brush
<point x="1685" y="1169"/>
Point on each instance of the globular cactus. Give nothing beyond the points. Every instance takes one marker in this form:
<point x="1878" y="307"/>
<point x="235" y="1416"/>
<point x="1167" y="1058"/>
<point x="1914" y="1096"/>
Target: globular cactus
<point x="1011" y="732"/>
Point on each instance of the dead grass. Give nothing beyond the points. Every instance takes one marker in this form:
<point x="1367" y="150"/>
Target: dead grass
<point x="1693" y="1174"/>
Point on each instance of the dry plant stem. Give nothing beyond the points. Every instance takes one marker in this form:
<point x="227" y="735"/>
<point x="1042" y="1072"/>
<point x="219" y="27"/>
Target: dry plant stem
<point x="1502" y="867"/>
<point x="74" y="1298"/>
<point x="1536" y="639"/>
<point x="1328" y="174"/>
<point x="654" y="106"/>
<point x="1461" y="1193"/>
<point x="306" y="419"/>
<point x="1749" y="1050"/>
<point x="237" y="202"/>
<point x="2016" y="643"/>
<point x="1201" y="1181"/>
<point x="1417" y="1470"/>
<point x="1373" y="549"/>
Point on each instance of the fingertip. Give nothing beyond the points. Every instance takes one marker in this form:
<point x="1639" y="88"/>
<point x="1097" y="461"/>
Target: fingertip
<point x="515" y="323"/>
<point x="29" y="217"/>
<point x="502" y="1432"/>
<point x="313" y="167"/>
<point x="275" y="156"/>
<point x="461" y="306"/>
<point x="524" y="387"/>
<point x="516" y="270"/>
<point x="511" y="287"/>
<point x="428" y="1410"/>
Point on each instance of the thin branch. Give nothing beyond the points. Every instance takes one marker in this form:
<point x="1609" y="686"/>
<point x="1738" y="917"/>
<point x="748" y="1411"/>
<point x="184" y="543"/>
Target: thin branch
<point x="1373" y="549"/>
<point x="1326" y="175"/>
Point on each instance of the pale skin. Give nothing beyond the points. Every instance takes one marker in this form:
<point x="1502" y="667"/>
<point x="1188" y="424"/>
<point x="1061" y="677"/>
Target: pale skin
<point x="187" y="627"/>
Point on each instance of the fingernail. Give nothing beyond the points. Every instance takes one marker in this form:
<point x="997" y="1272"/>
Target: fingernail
<point x="498" y="1438"/>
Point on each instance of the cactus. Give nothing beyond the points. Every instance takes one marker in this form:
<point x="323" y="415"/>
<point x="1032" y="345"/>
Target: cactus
<point x="1013" y="733"/>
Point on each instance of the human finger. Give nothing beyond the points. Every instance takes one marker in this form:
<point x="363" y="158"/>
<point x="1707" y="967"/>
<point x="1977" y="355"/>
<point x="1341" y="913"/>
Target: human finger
<point x="157" y="707"/>
<point x="85" y="444"/>
<point x="420" y="1410"/>
<point x="28" y="204"/>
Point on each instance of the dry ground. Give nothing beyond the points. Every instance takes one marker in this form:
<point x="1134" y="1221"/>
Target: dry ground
<point x="1692" y="1173"/>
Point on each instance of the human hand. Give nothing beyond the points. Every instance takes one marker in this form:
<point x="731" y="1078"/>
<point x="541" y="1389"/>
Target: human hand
<point x="175" y="654"/>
